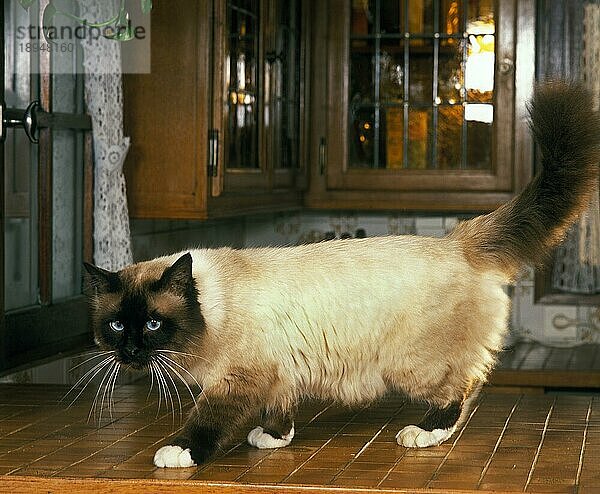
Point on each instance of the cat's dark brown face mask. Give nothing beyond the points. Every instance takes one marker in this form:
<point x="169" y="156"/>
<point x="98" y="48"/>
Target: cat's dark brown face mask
<point x="139" y="312"/>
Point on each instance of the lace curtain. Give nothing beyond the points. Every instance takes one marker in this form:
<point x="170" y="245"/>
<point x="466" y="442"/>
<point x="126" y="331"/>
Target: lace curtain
<point x="104" y="100"/>
<point x="577" y="262"/>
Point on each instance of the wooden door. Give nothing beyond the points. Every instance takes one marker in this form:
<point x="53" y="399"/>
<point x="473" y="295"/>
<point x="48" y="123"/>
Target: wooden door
<point x="166" y="115"/>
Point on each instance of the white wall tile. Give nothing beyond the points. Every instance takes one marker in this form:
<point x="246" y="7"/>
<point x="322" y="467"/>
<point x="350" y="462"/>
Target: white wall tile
<point x="560" y="323"/>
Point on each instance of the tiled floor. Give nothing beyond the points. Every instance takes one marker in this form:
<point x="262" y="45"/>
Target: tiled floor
<point x="533" y="443"/>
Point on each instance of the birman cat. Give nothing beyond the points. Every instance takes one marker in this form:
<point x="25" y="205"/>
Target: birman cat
<point x="260" y="329"/>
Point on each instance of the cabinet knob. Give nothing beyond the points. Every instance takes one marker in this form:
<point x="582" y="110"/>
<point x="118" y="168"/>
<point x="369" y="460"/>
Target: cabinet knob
<point x="506" y="66"/>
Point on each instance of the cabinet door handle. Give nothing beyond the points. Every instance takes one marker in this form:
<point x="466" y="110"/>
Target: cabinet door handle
<point x="213" y="152"/>
<point x="322" y="155"/>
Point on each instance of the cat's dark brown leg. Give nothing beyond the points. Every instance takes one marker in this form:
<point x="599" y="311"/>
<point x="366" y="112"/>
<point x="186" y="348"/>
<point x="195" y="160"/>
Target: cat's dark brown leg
<point x="438" y="424"/>
<point x="276" y="431"/>
<point x="207" y="429"/>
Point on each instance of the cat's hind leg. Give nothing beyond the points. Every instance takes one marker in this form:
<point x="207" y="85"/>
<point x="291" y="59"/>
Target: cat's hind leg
<point x="438" y="424"/>
<point x="276" y="431"/>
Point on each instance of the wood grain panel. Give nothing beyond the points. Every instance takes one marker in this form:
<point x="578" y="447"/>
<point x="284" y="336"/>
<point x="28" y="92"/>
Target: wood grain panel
<point x="166" y="115"/>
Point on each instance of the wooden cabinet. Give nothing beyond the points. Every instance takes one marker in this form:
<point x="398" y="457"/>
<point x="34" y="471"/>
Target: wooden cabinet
<point x="414" y="106"/>
<point x="420" y="105"/>
<point x="216" y="128"/>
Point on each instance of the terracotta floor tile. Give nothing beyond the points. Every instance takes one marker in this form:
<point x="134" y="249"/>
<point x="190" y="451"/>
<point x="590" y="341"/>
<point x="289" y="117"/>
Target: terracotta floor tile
<point x="547" y="480"/>
<point x="369" y="467"/>
<point x="334" y="445"/>
<point x="221" y="473"/>
<point x="503" y="487"/>
<point x="172" y="473"/>
<point x="122" y="474"/>
<point x="405" y="480"/>
<point x="309" y="476"/>
<point x="353" y="482"/>
<point x="561" y="489"/>
<point x="261" y="478"/>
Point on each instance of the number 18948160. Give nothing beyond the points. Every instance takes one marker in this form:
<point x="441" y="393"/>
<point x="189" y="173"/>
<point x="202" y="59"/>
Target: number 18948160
<point x="37" y="46"/>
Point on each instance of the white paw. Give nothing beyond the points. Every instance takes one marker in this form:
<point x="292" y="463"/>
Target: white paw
<point x="413" y="436"/>
<point x="173" y="457"/>
<point x="260" y="439"/>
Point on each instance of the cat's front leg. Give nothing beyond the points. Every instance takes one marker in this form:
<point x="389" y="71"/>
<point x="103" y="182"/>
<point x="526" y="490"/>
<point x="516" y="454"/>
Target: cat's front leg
<point x="276" y="430"/>
<point x="205" y="431"/>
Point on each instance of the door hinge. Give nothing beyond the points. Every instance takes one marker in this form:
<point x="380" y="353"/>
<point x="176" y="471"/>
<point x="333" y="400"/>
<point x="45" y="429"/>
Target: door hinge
<point x="213" y="152"/>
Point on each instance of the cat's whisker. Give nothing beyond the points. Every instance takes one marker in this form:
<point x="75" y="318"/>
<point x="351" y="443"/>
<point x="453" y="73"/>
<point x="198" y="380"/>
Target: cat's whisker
<point x="186" y="355"/>
<point x="112" y="392"/>
<point x="170" y="396"/>
<point x="87" y="373"/>
<point x="106" y="388"/>
<point x="169" y="359"/>
<point x="98" y="365"/>
<point x="90" y="351"/>
<point x="161" y="386"/>
<point x="100" y="386"/>
<point x="94" y="371"/>
<point x="202" y="393"/>
<point x="176" y="392"/>
<point x="167" y="389"/>
<point x="94" y="351"/>
<point x="180" y="377"/>
<point x="151" y="381"/>
<point x="158" y="384"/>
<point x="166" y="367"/>
<point x="168" y="363"/>
<point x="98" y="355"/>
<point x="162" y="381"/>
<point x="105" y="379"/>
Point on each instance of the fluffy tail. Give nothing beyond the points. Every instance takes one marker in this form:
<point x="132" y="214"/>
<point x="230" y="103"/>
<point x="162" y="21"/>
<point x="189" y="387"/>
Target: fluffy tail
<point x="525" y="229"/>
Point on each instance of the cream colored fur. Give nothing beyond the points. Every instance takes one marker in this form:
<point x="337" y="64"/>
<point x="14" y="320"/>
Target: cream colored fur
<point x="348" y="319"/>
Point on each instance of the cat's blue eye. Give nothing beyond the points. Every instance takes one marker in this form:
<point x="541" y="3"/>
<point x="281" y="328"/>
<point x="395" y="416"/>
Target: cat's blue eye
<point x="153" y="325"/>
<point x="116" y="326"/>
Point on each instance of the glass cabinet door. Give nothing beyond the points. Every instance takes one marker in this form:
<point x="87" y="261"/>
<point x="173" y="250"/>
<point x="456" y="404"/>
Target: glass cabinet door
<point x="286" y="76"/>
<point x="258" y="70"/>
<point x="243" y="84"/>
<point x="46" y="178"/>
<point x="421" y="84"/>
<point x="422" y="98"/>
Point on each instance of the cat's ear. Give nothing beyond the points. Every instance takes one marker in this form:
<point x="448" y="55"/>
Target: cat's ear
<point x="178" y="277"/>
<point x="99" y="280"/>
